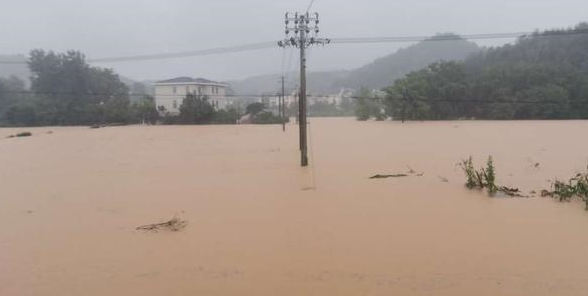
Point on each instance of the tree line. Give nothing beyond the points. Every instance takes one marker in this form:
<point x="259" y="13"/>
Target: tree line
<point x="66" y="90"/>
<point x="540" y="76"/>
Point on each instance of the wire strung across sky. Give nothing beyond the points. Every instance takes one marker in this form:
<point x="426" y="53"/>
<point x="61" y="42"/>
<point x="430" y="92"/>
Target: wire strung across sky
<point x="270" y="44"/>
<point x="453" y="37"/>
<point x="310" y="96"/>
<point x="310" y="5"/>
<point x="182" y="54"/>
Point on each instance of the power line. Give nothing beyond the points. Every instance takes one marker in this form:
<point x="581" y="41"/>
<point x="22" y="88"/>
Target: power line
<point x="183" y="54"/>
<point x="310" y="6"/>
<point x="452" y="37"/>
<point x="320" y="96"/>
<point x="350" y="40"/>
<point x="67" y="93"/>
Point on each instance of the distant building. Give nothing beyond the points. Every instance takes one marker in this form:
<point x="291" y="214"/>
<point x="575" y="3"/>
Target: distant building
<point x="170" y="93"/>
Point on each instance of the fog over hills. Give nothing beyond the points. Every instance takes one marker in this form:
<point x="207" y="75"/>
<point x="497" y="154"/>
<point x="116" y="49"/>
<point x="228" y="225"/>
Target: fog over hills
<point x="378" y="74"/>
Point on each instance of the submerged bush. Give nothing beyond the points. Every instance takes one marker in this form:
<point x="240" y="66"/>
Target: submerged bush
<point x="490" y="176"/>
<point x="470" y="172"/>
<point x="575" y="187"/>
<point x="486" y="178"/>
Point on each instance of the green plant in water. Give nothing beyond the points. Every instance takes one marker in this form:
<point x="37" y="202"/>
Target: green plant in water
<point x="484" y="178"/>
<point x="490" y="176"/>
<point x="576" y="187"/>
<point x="563" y="191"/>
<point x="468" y="168"/>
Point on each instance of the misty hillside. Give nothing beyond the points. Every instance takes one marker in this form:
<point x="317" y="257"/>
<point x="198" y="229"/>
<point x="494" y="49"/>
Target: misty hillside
<point x="380" y="73"/>
<point x="317" y="82"/>
<point x="540" y="76"/>
<point x="384" y="71"/>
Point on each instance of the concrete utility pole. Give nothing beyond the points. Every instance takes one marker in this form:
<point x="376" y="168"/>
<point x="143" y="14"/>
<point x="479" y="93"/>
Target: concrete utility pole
<point x="302" y="29"/>
<point x="283" y="107"/>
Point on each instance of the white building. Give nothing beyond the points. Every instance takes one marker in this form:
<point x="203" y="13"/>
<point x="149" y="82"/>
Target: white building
<point x="170" y="93"/>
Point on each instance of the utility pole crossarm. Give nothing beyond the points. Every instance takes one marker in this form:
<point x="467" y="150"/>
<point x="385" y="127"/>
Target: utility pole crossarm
<point x="304" y="35"/>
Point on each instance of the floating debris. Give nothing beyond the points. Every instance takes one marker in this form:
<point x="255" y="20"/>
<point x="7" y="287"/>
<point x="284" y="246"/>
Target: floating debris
<point x="388" y="176"/>
<point x="175" y="224"/>
<point x="20" y="135"/>
<point x="532" y="163"/>
<point x="443" y="179"/>
<point x="410" y="170"/>
<point x="24" y="134"/>
<point x="513" y="192"/>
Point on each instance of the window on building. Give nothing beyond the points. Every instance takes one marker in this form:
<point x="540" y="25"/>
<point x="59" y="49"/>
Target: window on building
<point x="187" y="89"/>
<point x="175" y="90"/>
<point x="199" y="90"/>
<point x="175" y="104"/>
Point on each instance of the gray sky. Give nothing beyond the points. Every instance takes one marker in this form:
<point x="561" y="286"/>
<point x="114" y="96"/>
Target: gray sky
<point x="130" y="27"/>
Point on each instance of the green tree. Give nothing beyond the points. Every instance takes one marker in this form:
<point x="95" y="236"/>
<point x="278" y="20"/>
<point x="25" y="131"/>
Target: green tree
<point x="196" y="110"/>
<point x="144" y="110"/>
<point x="70" y="92"/>
<point x="368" y="105"/>
<point x="540" y="76"/>
<point x="228" y="116"/>
<point x="254" y="108"/>
<point x="12" y="91"/>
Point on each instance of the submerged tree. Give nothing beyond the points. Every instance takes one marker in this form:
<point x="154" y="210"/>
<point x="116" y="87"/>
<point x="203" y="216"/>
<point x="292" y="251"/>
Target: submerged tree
<point x="69" y="91"/>
<point x="368" y="105"/>
<point x="144" y="110"/>
<point x="196" y="109"/>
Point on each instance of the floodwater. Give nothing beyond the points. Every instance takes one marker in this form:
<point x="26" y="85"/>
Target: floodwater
<point x="258" y="224"/>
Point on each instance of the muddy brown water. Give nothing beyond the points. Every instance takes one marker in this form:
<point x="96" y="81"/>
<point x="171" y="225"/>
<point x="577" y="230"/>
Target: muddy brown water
<point x="70" y="202"/>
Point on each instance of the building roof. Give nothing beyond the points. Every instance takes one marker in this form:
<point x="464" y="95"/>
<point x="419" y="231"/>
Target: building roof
<point x="189" y="80"/>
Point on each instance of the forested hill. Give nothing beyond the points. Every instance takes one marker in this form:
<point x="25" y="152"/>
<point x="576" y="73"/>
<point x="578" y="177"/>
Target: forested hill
<point x="376" y="75"/>
<point x="540" y="76"/>
<point x="384" y="71"/>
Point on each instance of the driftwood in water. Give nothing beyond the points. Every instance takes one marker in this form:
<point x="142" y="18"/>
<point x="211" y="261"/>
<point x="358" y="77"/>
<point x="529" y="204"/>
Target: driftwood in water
<point x="388" y="176"/>
<point x="175" y="224"/>
<point x="514" y="192"/>
<point x="20" y="135"/>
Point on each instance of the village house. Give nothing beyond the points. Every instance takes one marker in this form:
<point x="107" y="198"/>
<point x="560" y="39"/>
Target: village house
<point x="170" y="93"/>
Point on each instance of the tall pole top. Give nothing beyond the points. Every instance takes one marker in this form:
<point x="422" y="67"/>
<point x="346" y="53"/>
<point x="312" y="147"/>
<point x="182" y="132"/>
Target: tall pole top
<point x="302" y="30"/>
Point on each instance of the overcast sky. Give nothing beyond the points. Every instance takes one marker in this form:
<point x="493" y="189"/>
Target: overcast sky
<point x="108" y="28"/>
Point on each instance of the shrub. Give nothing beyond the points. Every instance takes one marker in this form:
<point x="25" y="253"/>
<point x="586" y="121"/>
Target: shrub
<point x="266" y="118"/>
<point x="575" y="187"/>
<point x="484" y="178"/>
<point x="490" y="176"/>
<point x="470" y="172"/>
